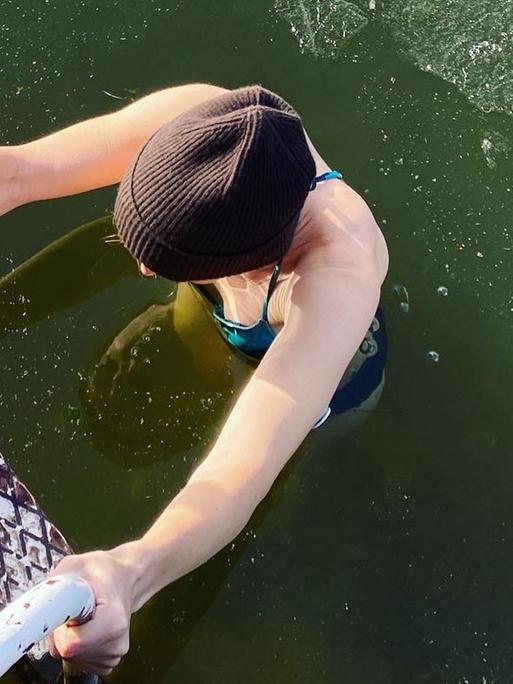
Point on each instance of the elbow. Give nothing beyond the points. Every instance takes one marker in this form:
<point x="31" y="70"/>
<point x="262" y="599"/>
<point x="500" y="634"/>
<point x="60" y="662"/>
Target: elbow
<point x="225" y="495"/>
<point x="210" y="89"/>
<point x="238" y="511"/>
<point x="242" y="504"/>
<point x="195" y="93"/>
<point x="229" y="506"/>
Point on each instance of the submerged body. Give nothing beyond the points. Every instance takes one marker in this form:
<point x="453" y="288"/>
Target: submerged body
<point x="324" y="302"/>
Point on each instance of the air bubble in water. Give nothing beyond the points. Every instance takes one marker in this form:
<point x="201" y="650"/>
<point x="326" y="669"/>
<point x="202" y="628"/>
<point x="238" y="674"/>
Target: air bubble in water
<point x="442" y="291"/>
<point x="433" y="356"/>
<point x="402" y="297"/>
<point x="494" y="146"/>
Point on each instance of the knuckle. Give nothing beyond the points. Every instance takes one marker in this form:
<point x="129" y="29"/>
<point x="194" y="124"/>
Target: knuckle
<point x="66" y="565"/>
<point x="59" y="641"/>
<point x="115" y="632"/>
<point x="119" y="624"/>
<point x="52" y="650"/>
<point x="67" y="646"/>
<point x="68" y="650"/>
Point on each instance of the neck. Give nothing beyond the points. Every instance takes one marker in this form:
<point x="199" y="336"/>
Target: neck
<point x="304" y="236"/>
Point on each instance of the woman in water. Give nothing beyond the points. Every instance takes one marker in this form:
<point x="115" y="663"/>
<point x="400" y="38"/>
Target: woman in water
<point x="223" y="189"/>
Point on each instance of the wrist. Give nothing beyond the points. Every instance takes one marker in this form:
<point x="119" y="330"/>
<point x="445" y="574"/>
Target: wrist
<point x="130" y="558"/>
<point x="11" y="179"/>
<point x="149" y="564"/>
<point x="24" y="177"/>
<point x="31" y="174"/>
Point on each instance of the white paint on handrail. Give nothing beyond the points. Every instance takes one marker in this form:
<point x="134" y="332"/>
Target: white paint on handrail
<point x="37" y="613"/>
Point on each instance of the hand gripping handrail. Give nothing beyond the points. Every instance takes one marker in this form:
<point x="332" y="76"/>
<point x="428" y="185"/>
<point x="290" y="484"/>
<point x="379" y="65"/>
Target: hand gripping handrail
<point x="38" y="612"/>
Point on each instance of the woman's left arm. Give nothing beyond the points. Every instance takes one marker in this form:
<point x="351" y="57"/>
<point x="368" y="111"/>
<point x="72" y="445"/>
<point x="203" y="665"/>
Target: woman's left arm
<point x="328" y="315"/>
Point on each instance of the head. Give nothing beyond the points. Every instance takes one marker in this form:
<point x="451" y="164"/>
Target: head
<point x="217" y="191"/>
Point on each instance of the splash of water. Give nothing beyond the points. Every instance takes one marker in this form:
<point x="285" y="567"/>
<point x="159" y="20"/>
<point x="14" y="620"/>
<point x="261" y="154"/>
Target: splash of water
<point x="469" y="44"/>
<point x="466" y="43"/>
<point x="494" y="146"/>
<point x="322" y="27"/>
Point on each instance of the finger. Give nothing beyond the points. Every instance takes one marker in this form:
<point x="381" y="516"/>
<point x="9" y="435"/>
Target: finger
<point x="72" y="647"/>
<point x="52" y="649"/>
<point x="107" y="631"/>
<point x="101" y="668"/>
<point x="114" y="630"/>
<point x="111" y="659"/>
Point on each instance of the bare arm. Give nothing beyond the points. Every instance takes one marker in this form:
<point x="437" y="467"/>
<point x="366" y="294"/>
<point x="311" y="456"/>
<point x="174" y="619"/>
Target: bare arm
<point x="93" y="153"/>
<point x="329" y="314"/>
<point x="287" y="393"/>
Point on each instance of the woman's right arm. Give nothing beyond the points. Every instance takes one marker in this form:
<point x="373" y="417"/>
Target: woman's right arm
<point x="93" y="153"/>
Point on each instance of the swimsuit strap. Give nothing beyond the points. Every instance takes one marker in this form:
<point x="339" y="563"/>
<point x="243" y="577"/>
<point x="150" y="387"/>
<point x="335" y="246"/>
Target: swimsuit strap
<point x="205" y="290"/>
<point x="329" y="175"/>
<point x="270" y="290"/>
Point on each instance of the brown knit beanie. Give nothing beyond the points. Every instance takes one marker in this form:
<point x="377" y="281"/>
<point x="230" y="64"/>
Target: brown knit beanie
<point x="218" y="190"/>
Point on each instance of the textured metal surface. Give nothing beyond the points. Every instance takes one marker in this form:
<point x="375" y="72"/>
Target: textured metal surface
<point x="30" y="545"/>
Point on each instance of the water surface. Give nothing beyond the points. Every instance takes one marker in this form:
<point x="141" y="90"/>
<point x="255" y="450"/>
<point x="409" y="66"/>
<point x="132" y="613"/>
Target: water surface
<point x="381" y="557"/>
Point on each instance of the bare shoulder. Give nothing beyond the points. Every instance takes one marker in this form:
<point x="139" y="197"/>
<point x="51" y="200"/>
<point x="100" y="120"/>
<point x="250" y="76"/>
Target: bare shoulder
<point x="338" y="253"/>
<point x="350" y="229"/>
<point x="342" y="226"/>
<point x="338" y="231"/>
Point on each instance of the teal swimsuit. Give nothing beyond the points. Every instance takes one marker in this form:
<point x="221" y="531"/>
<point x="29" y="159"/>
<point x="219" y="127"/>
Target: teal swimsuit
<point x="254" y="340"/>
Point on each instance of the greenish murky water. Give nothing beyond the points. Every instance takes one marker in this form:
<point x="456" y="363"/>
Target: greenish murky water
<point x="382" y="557"/>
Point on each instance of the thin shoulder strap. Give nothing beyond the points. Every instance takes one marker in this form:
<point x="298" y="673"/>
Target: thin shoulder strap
<point x="272" y="285"/>
<point x="329" y="175"/>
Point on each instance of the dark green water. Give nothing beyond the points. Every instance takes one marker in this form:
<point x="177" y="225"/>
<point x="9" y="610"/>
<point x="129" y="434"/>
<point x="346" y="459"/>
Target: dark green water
<point x="383" y="557"/>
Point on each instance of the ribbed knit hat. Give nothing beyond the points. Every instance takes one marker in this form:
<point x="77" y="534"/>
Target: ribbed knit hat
<point x="218" y="190"/>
